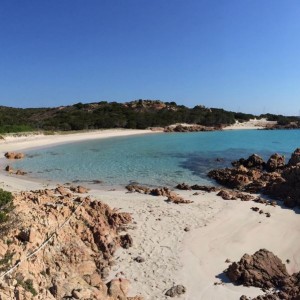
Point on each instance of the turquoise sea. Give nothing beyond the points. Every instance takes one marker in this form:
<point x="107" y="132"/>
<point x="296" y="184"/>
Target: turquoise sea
<point x="162" y="159"/>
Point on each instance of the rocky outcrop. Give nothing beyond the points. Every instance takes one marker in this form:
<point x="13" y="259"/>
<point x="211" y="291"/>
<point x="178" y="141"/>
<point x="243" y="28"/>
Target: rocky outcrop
<point x="196" y="187"/>
<point x="253" y="161"/>
<point x="79" y="189"/>
<point x="262" y="269"/>
<point x="289" y="125"/>
<point x="276" y="161"/>
<point x="295" y="158"/>
<point x="274" y="178"/>
<point x="62" y="247"/>
<point x="188" y="128"/>
<point x="138" y="188"/>
<point x="265" y="270"/>
<point x="10" y="170"/>
<point x="14" y="155"/>
<point x="227" y="194"/>
<point x="161" y="191"/>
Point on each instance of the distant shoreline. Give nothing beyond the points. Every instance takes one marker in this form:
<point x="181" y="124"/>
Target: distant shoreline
<point x="37" y="140"/>
<point x="251" y="124"/>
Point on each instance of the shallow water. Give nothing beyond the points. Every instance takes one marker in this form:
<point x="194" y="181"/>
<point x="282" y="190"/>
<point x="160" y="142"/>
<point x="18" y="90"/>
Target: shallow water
<point x="155" y="159"/>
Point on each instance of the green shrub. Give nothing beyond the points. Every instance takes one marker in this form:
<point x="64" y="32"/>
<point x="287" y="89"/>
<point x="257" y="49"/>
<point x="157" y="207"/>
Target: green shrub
<point x="5" y="198"/>
<point x="6" y="261"/>
<point x="28" y="286"/>
<point x="3" y="217"/>
<point x="6" y="206"/>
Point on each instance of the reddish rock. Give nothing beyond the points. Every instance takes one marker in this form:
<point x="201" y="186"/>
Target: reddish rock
<point x="226" y="195"/>
<point x="295" y="158"/>
<point x="183" y="186"/>
<point x="205" y="188"/>
<point x="76" y="256"/>
<point x="275" y="161"/>
<point x="126" y="241"/>
<point x="9" y="169"/>
<point x="274" y="178"/>
<point x="79" y="189"/>
<point x="265" y="270"/>
<point x="138" y="188"/>
<point x="164" y="191"/>
<point x="253" y="161"/>
<point x="262" y="269"/>
<point x="20" y="172"/>
<point x="174" y="198"/>
<point x="14" y="155"/>
<point x="176" y="291"/>
<point x="118" y="288"/>
<point x="63" y="191"/>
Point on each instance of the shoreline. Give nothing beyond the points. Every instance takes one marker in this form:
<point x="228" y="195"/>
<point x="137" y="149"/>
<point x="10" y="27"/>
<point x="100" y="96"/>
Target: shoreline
<point x="219" y="229"/>
<point x="33" y="141"/>
<point x="252" y="124"/>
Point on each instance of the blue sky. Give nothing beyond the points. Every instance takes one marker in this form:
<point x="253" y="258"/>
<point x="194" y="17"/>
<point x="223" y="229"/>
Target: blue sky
<point x="241" y="55"/>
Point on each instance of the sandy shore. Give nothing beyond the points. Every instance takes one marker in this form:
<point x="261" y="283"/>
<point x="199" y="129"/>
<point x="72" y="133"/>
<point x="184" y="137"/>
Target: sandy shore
<point x="18" y="143"/>
<point x="251" y="124"/>
<point x="219" y="230"/>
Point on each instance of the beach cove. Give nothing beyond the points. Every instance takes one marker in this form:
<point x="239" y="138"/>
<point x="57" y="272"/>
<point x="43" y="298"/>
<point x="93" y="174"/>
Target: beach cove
<point x="218" y="230"/>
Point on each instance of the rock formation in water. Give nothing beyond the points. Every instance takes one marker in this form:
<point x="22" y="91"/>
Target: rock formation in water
<point x="14" y="155"/>
<point x="62" y="247"/>
<point x="189" y="128"/>
<point x="274" y="177"/>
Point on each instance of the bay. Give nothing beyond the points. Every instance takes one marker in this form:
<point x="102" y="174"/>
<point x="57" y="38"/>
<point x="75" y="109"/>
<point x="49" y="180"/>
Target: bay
<point x="162" y="159"/>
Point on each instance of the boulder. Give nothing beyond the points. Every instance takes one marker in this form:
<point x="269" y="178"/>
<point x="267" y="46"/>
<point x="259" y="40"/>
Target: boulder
<point x="226" y="195"/>
<point x="253" y="161"/>
<point x="295" y="158"/>
<point x="9" y="169"/>
<point x="14" y="155"/>
<point x="174" y="198"/>
<point x="126" y="241"/>
<point x="175" y="291"/>
<point x="118" y="288"/>
<point x="20" y="172"/>
<point x="138" y="188"/>
<point x="164" y="191"/>
<point x="263" y="269"/>
<point x="205" y="188"/>
<point x="79" y="189"/>
<point x="183" y="186"/>
<point x="275" y="162"/>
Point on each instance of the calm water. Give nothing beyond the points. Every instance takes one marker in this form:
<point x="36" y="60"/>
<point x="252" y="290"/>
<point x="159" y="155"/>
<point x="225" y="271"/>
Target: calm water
<point x="157" y="159"/>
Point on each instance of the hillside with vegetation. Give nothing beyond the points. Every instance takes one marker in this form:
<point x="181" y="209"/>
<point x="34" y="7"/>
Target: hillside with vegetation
<point x="139" y="114"/>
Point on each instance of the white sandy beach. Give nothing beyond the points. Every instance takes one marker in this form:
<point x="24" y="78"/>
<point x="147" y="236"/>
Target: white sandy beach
<point x="22" y="142"/>
<point x="251" y="124"/>
<point x="219" y="230"/>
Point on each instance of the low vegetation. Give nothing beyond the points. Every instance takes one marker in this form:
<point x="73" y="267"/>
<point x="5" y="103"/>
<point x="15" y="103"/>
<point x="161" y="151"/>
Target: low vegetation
<point x="28" y="286"/>
<point x="7" y="217"/>
<point x="139" y="114"/>
<point x="5" y="205"/>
